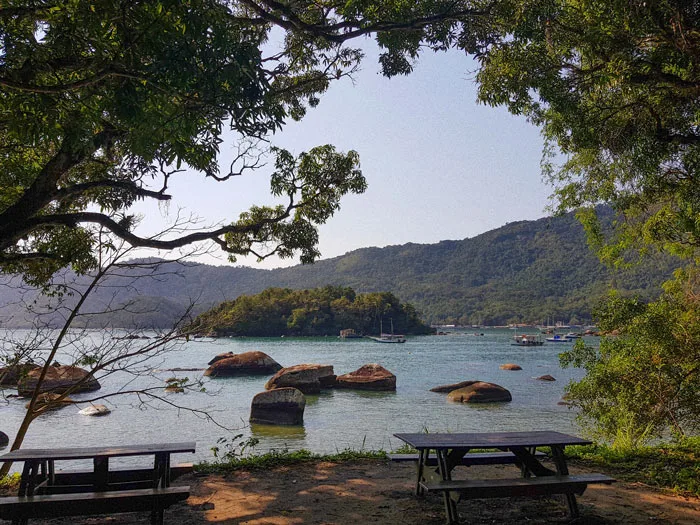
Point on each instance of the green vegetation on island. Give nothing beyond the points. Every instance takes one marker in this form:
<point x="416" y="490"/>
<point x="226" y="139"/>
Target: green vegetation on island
<point x="317" y="312"/>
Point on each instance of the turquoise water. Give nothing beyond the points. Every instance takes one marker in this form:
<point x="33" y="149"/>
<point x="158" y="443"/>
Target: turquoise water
<point x="333" y="420"/>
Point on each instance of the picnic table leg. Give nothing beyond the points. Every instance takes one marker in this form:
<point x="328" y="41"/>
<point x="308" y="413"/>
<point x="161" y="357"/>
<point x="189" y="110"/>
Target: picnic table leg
<point x="422" y="460"/>
<point x="101" y="469"/>
<point x="161" y="470"/>
<point x="157" y="514"/>
<point x="161" y="479"/>
<point x="530" y="463"/>
<point x="446" y="475"/>
<point x="562" y="469"/>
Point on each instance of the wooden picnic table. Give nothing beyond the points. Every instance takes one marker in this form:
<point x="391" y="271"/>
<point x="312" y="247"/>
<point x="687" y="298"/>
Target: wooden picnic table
<point x="537" y="479"/>
<point x="41" y="486"/>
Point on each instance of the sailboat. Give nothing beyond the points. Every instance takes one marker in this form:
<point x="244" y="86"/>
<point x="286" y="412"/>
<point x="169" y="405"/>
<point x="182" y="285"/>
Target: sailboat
<point x="388" y="338"/>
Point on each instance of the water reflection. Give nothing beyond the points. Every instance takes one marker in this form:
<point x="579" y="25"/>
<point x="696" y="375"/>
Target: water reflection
<point x="294" y="433"/>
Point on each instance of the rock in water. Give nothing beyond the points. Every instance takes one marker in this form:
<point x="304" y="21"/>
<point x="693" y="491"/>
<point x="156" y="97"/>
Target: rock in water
<point x="11" y="375"/>
<point x="281" y="406"/>
<point x="219" y="357"/>
<point x="247" y="363"/>
<point x="368" y="377"/>
<point x="446" y="389"/>
<point x="58" y="379"/>
<point x="546" y="377"/>
<point x="95" y="410"/>
<point x="4" y="439"/>
<point x="510" y="366"/>
<point x="480" y="392"/>
<point x="309" y="378"/>
<point x="50" y="400"/>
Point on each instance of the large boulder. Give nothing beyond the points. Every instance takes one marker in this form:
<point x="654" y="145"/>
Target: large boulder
<point x="309" y="378"/>
<point x="4" y="439"/>
<point x="245" y="364"/>
<point x="510" y="366"/>
<point x="368" y="377"/>
<point x="219" y="357"/>
<point x="480" y="392"/>
<point x="281" y="406"/>
<point x="58" y="379"/>
<point x="10" y="375"/>
<point x="446" y="389"/>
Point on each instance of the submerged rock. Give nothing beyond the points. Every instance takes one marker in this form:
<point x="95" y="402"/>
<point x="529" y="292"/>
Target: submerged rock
<point x="58" y="380"/>
<point x="309" y="378"/>
<point x="546" y="377"/>
<point x="95" y="410"/>
<point x="4" y="439"/>
<point x="247" y="363"/>
<point x="510" y="366"/>
<point x="49" y="401"/>
<point x="480" y="392"/>
<point x="368" y="377"/>
<point x="281" y="406"/>
<point x="446" y="389"/>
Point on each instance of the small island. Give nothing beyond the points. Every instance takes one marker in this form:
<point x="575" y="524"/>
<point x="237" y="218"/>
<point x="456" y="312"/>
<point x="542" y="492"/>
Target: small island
<point x="316" y="312"/>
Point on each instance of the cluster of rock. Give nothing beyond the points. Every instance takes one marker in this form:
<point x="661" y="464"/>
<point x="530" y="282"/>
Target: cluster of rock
<point x="481" y="391"/>
<point x="58" y="380"/>
<point x="284" y="400"/>
<point x="474" y="392"/>
<point x="511" y="366"/>
<point x="247" y="363"/>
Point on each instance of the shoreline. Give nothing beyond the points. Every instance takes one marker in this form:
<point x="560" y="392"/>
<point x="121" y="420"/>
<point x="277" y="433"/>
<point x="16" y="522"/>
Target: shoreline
<point x="377" y="491"/>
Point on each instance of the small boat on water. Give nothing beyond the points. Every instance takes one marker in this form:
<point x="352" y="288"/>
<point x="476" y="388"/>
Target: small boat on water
<point x="574" y="335"/>
<point x="388" y="338"/>
<point x="527" y="340"/>
<point x="559" y="339"/>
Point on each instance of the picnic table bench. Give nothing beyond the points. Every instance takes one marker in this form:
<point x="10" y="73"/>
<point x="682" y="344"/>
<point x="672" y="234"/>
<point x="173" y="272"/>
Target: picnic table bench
<point x="452" y="450"/>
<point x="45" y="492"/>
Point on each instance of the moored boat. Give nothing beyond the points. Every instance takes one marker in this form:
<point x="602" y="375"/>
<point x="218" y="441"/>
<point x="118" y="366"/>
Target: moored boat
<point x="388" y="338"/>
<point x="559" y="339"/>
<point x="527" y="340"/>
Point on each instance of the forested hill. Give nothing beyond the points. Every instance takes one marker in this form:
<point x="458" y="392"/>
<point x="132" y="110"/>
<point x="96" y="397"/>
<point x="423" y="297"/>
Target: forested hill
<point x="526" y="271"/>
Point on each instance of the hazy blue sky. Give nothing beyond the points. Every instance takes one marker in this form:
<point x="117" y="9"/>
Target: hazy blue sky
<point x="438" y="165"/>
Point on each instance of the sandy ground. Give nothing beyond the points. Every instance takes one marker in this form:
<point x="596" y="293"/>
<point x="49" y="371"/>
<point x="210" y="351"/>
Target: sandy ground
<point x="361" y="492"/>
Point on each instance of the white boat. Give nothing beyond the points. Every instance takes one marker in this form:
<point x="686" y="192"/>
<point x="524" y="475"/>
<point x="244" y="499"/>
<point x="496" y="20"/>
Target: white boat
<point x="527" y="340"/>
<point x="559" y="339"/>
<point x="388" y="338"/>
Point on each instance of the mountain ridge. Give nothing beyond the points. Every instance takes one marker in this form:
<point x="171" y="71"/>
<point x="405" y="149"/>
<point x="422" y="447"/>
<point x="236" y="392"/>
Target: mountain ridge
<point x="524" y="271"/>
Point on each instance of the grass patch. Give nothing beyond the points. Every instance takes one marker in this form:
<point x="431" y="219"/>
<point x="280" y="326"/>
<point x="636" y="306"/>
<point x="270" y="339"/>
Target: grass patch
<point x="10" y="483"/>
<point x="673" y="466"/>
<point x="276" y="458"/>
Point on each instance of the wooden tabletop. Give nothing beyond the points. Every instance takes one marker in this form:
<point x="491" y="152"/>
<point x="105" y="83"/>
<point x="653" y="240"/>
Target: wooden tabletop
<point x="491" y="439"/>
<point x="45" y="454"/>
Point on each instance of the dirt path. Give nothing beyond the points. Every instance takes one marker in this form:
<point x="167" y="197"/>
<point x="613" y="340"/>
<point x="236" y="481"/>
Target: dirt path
<point x="354" y="493"/>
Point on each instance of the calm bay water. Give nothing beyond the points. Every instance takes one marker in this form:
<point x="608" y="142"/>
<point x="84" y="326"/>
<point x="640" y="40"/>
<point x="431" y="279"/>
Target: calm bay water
<point x="333" y="420"/>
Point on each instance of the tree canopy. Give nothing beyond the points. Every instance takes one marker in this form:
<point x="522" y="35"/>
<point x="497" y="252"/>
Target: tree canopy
<point x="104" y="101"/>
<point x="614" y="86"/>
<point x="321" y="311"/>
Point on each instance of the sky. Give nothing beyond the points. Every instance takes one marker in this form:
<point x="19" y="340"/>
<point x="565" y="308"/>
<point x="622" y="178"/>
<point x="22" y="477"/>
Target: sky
<point x="438" y="165"/>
